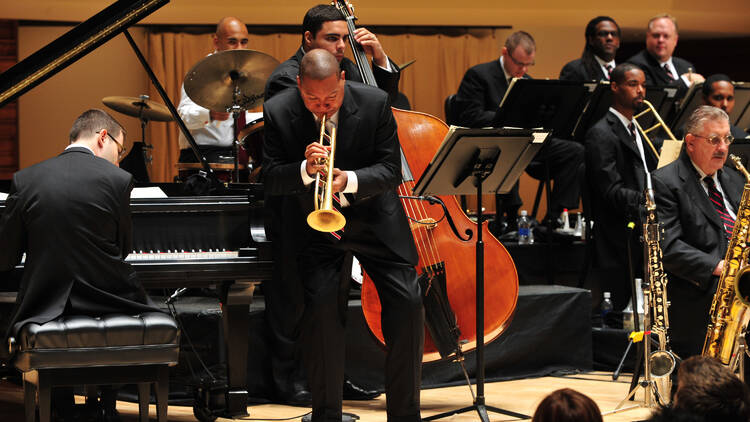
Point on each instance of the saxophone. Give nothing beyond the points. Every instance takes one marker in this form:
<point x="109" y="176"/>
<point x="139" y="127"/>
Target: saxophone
<point x="661" y="362"/>
<point x="729" y="313"/>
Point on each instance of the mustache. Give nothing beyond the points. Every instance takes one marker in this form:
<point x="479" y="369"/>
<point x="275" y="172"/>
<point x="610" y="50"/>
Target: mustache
<point x="719" y="155"/>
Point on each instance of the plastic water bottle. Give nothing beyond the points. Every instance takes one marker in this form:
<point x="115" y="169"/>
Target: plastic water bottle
<point x="578" y="230"/>
<point x="525" y="235"/>
<point x="565" y="221"/>
<point x="606" y="308"/>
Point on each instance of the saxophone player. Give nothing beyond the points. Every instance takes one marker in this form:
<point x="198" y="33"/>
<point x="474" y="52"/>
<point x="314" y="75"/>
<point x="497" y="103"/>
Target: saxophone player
<point x="697" y="200"/>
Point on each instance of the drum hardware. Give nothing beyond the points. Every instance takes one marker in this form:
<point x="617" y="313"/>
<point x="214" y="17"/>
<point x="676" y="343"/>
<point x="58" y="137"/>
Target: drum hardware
<point x="230" y="81"/>
<point x="144" y="109"/>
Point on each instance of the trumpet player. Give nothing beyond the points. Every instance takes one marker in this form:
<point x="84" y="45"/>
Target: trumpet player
<point x="697" y="198"/>
<point x="366" y="176"/>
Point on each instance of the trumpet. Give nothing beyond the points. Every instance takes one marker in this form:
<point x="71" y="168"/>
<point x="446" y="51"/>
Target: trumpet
<point x="659" y="123"/>
<point x="325" y="218"/>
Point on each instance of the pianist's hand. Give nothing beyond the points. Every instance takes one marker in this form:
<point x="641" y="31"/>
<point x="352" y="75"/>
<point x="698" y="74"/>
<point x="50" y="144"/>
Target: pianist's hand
<point x="217" y="115"/>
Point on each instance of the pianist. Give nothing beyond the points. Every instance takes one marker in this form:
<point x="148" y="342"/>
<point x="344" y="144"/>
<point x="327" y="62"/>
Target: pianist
<point x="71" y="216"/>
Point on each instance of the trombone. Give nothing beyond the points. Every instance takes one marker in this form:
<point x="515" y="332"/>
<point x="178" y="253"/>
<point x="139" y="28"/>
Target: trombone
<point x="659" y="123"/>
<point x="325" y="218"/>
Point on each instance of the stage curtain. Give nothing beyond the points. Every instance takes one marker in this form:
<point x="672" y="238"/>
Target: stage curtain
<point x="441" y="60"/>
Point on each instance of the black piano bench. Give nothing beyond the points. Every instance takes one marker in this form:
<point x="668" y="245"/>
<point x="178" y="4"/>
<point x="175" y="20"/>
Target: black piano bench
<point x="82" y="350"/>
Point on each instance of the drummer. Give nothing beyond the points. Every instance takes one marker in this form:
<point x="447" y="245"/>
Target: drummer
<point x="213" y="131"/>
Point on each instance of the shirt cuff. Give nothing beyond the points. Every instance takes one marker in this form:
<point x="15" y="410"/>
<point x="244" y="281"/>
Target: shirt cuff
<point x="306" y="179"/>
<point x="686" y="80"/>
<point x="352" y="183"/>
<point x="387" y="67"/>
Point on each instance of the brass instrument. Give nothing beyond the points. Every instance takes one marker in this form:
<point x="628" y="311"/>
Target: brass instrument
<point x="659" y="123"/>
<point x="661" y="362"/>
<point x="729" y="314"/>
<point x="325" y="218"/>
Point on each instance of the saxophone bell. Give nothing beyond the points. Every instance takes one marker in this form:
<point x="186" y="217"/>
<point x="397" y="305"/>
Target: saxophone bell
<point x="661" y="363"/>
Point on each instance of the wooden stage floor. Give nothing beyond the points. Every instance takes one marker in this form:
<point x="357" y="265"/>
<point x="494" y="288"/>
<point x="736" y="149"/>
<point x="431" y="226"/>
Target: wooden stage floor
<point x="521" y="396"/>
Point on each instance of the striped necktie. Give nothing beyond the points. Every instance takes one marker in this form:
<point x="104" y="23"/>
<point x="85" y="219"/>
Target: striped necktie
<point x="668" y="71"/>
<point x="718" y="202"/>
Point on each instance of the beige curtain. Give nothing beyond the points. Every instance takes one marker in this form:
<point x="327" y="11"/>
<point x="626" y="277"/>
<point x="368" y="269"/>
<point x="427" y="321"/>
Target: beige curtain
<point x="441" y="61"/>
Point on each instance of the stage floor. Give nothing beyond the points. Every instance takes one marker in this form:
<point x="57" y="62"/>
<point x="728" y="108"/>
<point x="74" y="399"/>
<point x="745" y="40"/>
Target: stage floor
<point x="521" y="396"/>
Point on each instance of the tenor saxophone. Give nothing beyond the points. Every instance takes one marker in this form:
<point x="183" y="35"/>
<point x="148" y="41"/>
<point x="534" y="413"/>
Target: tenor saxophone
<point x="729" y="314"/>
<point x="661" y="362"/>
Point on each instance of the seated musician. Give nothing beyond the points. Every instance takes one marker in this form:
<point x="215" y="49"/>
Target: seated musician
<point x="70" y="215"/>
<point x="657" y="60"/>
<point x="324" y="27"/>
<point x="718" y="91"/>
<point x="598" y="59"/>
<point x="481" y="91"/>
<point x="617" y="159"/>
<point x="376" y="232"/>
<point x="214" y="131"/>
<point x="697" y="198"/>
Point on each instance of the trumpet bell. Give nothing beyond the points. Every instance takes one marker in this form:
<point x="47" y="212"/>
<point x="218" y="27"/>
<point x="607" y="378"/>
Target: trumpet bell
<point x="326" y="220"/>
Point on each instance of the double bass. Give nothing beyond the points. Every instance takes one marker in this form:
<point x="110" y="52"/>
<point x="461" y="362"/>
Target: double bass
<point x="446" y="268"/>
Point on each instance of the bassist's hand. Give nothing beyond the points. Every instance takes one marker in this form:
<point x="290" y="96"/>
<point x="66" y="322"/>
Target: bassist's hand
<point x="372" y="46"/>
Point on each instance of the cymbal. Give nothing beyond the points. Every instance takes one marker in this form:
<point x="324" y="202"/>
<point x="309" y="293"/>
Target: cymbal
<point x="140" y="107"/>
<point x="213" y="80"/>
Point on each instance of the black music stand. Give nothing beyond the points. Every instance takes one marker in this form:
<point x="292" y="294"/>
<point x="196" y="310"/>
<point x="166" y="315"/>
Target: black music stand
<point x="466" y="160"/>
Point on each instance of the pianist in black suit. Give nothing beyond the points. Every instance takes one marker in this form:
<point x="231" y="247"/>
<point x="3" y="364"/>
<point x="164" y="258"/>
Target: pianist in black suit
<point x="376" y="232"/>
<point x="71" y="216"/>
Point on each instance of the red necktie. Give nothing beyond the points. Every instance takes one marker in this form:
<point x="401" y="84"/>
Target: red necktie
<point x="718" y="202"/>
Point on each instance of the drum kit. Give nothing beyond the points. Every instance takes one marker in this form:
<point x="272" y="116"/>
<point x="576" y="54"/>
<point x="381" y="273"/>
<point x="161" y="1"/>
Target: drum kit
<point x="231" y="81"/>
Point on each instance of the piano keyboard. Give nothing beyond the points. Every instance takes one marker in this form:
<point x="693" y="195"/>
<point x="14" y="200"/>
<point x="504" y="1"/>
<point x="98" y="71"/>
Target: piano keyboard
<point x="141" y="256"/>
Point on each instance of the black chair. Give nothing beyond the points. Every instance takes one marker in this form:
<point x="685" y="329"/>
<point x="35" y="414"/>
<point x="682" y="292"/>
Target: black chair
<point x="450" y="110"/>
<point x="83" y="350"/>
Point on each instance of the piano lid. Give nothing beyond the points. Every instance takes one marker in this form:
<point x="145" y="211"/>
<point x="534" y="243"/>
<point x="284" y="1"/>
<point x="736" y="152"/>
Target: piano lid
<point x="73" y="45"/>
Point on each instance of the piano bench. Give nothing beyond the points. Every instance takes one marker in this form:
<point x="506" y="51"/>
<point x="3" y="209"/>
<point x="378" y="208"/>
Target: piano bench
<point x="83" y="350"/>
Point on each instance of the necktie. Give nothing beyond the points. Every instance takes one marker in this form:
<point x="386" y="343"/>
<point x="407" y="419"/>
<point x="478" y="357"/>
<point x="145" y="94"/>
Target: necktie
<point x="608" y="74"/>
<point x="631" y="129"/>
<point x="718" y="202"/>
<point x="668" y="71"/>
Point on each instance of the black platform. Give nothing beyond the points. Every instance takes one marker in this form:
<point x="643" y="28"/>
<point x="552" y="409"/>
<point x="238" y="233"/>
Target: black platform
<point x="550" y="334"/>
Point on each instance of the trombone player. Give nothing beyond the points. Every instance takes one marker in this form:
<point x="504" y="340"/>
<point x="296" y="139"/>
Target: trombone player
<point x="376" y="232"/>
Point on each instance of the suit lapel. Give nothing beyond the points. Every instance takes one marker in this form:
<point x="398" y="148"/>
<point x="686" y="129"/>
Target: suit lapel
<point x="348" y="121"/>
<point x="733" y="191"/>
<point x="625" y="138"/>
<point x="303" y="123"/>
<point x="694" y="189"/>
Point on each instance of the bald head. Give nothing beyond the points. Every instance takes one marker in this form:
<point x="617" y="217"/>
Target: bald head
<point x="231" y="34"/>
<point x="318" y="64"/>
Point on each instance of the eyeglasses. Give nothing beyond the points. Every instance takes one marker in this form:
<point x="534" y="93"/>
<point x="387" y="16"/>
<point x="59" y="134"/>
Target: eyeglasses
<point x="715" y="139"/>
<point x="603" y="34"/>
<point x="120" y="147"/>
<point x="520" y="64"/>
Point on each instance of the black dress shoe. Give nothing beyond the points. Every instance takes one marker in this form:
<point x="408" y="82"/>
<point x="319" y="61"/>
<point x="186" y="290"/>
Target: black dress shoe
<point x="355" y="392"/>
<point x="301" y="398"/>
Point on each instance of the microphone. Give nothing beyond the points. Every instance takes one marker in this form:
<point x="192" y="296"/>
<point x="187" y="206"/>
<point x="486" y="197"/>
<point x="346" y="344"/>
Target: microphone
<point x="177" y="293"/>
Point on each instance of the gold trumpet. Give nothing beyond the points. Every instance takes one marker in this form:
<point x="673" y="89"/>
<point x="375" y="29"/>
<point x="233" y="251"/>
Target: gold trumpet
<point x="325" y="218"/>
<point x="659" y="123"/>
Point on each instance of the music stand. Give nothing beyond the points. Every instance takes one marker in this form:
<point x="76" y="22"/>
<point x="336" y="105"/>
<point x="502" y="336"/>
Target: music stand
<point x="466" y="160"/>
<point x="540" y="103"/>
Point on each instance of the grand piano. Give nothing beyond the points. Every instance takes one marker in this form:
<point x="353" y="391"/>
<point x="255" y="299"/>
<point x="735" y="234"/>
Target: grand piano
<point x="179" y="241"/>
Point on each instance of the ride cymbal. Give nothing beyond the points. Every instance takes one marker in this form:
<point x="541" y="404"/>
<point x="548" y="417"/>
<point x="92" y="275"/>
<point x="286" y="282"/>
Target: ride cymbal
<point x="230" y="78"/>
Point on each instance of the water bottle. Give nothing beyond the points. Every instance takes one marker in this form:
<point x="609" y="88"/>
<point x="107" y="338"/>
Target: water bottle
<point x="606" y="308"/>
<point x="525" y="235"/>
<point x="578" y="230"/>
<point x="565" y="221"/>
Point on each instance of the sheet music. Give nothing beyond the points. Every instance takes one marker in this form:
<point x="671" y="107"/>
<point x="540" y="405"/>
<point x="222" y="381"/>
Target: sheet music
<point x="149" y="192"/>
<point x="3" y="196"/>
<point x="670" y="150"/>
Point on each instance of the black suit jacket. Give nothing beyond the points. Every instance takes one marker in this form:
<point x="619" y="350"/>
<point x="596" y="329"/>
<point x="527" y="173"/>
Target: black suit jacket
<point x="480" y="93"/>
<point x="616" y="179"/>
<point x="694" y="242"/>
<point x="655" y="74"/>
<point x="71" y="216"/>
<point x="367" y="143"/>
<point x="285" y="76"/>
<point x="576" y="71"/>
